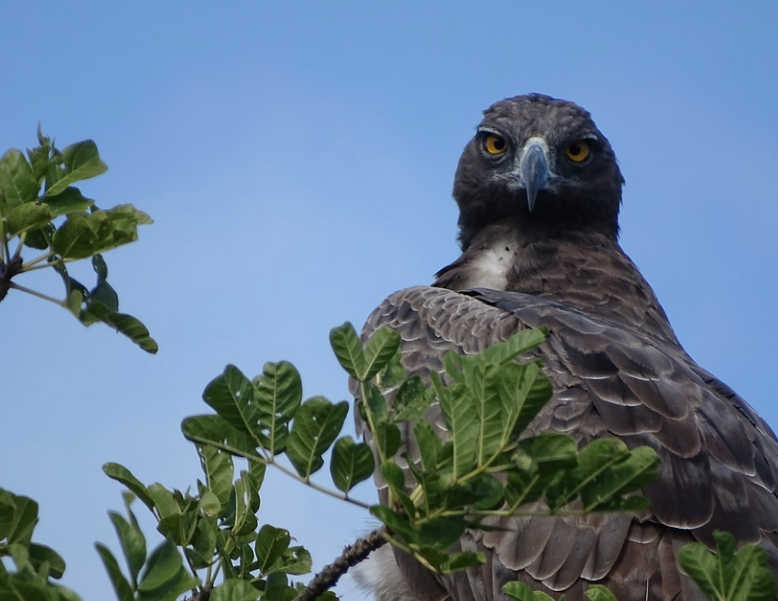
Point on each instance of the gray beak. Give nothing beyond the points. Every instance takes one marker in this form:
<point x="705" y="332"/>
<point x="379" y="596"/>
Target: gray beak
<point x="533" y="168"/>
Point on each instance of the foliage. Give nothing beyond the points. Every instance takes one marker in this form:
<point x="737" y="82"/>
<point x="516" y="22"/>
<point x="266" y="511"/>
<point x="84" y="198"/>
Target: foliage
<point x="727" y="575"/>
<point x="41" y="210"/>
<point x="485" y="466"/>
<point x="215" y="545"/>
<point x="35" y="564"/>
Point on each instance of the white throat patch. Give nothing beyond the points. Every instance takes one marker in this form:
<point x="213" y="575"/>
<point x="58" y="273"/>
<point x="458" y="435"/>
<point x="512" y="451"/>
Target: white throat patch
<point x="490" y="266"/>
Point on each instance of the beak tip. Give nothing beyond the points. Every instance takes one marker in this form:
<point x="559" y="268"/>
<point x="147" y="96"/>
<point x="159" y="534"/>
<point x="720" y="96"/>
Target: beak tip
<point x="534" y="169"/>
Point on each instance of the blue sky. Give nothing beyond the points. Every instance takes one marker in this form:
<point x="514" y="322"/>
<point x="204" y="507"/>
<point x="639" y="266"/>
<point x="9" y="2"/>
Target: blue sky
<point x="298" y="160"/>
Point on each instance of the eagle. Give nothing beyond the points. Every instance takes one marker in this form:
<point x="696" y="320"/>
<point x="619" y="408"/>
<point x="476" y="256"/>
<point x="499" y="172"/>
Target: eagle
<point x="539" y="191"/>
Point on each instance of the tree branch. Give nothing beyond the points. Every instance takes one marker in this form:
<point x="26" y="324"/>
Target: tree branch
<point x="351" y="556"/>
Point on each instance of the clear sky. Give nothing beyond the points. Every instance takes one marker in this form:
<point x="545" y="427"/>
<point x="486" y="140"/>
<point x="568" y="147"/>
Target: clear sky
<point x="298" y="159"/>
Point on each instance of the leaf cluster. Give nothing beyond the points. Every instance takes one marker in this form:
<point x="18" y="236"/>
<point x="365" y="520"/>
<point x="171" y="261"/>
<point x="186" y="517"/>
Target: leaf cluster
<point x="41" y="209"/>
<point x="218" y="531"/>
<point x="476" y="459"/>
<point x="35" y="564"/>
<point x="726" y="574"/>
<point x="469" y="456"/>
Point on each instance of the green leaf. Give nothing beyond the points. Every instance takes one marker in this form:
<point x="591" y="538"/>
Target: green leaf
<point x="727" y="575"/>
<point x="214" y="430"/>
<point x="39" y="157"/>
<point x="234" y="589"/>
<point x="279" y="392"/>
<point x="133" y="329"/>
<point x="539" y="460"/>
<point x="394" y="476"/>
<point x="41" y="555"/>
<point x="39" y="239"/>
<point x="70" y="200"/>
<point x="441" y="532"/>
<point x="446" y="563"/>
<point x="120" y="584"/>
<point x="209" y="503"/>
<point x="27" y="216"/>
<point x="395" y="521"/>
<point x="86" y="234"/>
<point x="381" y="347"/>
<point x="121" y="474"/>
<point x="597" y="592"/>
<point x="522" y="592"/>
<point x="429" y="444"/>
<point x="132" y="541"/>
<point x="18" y="184"/>
<point x="277" y="588"/>
<point x="387" y="438"/>
<point x="168" y="509"/>
<point x="102" y="299"/>
<point x="23" y="520"/>
<point x="79" y="236"/>
<point x="411" y="400"/>
<point x="482" y="383"/>
<point x="525" y="391"/>
<point x="203" y="543"/>
<point x="7" y="510"/>
<point x="165" y="577"/>
<point x="455" y="562"/>
<point x="218" y="469"/>
<point x="81" y="161"/>
<point x="392" y="374"/>
<point x="270" y="546"/>
<point x="376" y="403"/>
<point x="351" y="463"/>
<point x="516" y="345"/>
<point x="257" y="471"/>
<point x="348" y="350"/>
<point x="315" y="428"/>
<point x="488" y="491"/>
<point x="461" y="422"/>
<point x="247" y="501"/>
<point x="549" y="451"/>
<point x="232" y="396"/>
<point x="606" y="471"/>
<point x="297" y="561"/>
<point x="605" y="491"/>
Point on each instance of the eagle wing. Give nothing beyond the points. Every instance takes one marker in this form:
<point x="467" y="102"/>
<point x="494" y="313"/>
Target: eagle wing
<point x="718" y="457"/>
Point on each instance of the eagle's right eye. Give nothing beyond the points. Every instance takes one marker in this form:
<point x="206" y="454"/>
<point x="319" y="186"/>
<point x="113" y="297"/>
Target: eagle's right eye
<point x="494" y="144"/>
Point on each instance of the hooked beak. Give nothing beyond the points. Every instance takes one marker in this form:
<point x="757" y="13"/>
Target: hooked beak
<point x="533" y="168"/>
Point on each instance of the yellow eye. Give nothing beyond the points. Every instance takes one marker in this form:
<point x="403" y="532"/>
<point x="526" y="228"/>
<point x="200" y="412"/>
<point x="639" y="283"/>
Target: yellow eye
<point x="577" y="151"/>
<point x="494" y="144"/>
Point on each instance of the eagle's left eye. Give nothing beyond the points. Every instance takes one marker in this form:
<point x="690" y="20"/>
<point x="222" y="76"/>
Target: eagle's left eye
<point x="577" y="151"/>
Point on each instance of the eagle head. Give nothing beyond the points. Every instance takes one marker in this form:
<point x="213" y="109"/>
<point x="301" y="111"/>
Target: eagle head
<point x="541" y="164"/>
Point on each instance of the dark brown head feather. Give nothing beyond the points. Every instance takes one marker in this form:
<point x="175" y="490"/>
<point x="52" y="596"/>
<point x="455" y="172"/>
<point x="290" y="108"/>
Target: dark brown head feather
<point x="585" y="196"/>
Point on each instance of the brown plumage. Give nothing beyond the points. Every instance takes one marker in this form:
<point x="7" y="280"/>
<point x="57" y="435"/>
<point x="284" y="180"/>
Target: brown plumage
<point x="539" y="192"/>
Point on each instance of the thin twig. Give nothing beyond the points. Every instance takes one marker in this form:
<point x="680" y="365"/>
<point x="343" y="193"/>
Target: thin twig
<point x="36" y="293"/>
<point x="351" y="556"/>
